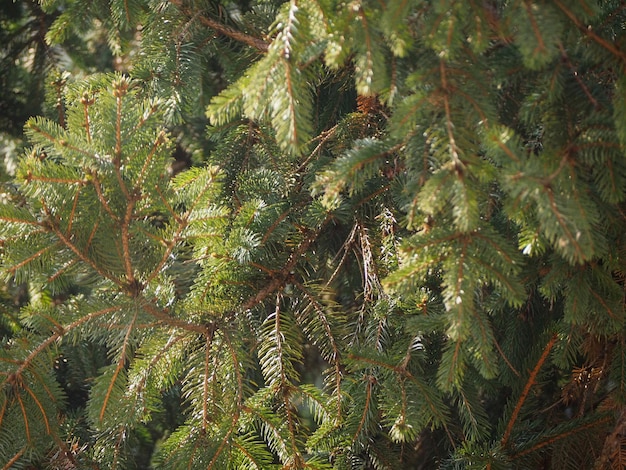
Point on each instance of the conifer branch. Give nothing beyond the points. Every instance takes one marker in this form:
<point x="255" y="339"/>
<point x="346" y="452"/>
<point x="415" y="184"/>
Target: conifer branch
<point x="145" y="117"/>
<point x="160" y="139"/>
<point x="86" y="102"/>
<point x="225" y="30"/>
<point x="62" y="331"/>
<point x="370" y="381"/>
<point x="239" y="407"/>
<point x="224" y="441"/>
<point x="120" y="88"/>
<point x="323" y="137"/>
<point x="68" y="181"/>
<point x="30" y="259"/>
<point x="121" y="362"/>
<point x="70" y="222"/>
<point x="174" y="322"/>
<point x="169" y="248"/>
<point x="576" y="76"/>
<point x="276" y="223"/>
<point x="505" y="359"/>
<point x="588" y="31"/>
<point x="284" y="274"/>
<point x="14" y="220"/>
<point x="127" y="11"/>
<point x="205" y="380"/>
<point x="126" y="254"/>
<point x="346" y="250"/>
<point x="24" y="415"/>
<point x="555" y="438"/>
<point x="60" y="142"/>
<point x="59" y="85"/>
<point x="369" y="54"/>
<point x="335" y="357"/>
<point x="562" y="221"/>
<point x="39" y="405"/>
<point x="238" y="375"/>
<point x="529" y="383"/>
<point x="533" y="22"/>
<point x="83" y="257"/>
<point x="175" y="215"/>
<point x="454" y="149"/>
<point x="14" y="459"/>
<point x="98" y="188"/>
<point x="402" y="371"/>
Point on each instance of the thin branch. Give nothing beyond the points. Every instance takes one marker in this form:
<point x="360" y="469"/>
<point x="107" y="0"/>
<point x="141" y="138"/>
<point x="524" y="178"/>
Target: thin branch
<point x="54" y="337"/>
<point x="552" y="439"/>
<point x="402" y="371"/>
<point x="39" y="405"/>
<point x="59" y="142"/>
<point x="323" y="138"/>
<point x="119" y="92"/>
<point x="582" y="85"/>
<point x="24" y="415"/>
<point x="97" y="186"/>
<point x="237" y="413"/>
<point x="369" y="384"/>
<point x="227" y="31"/>
<point x="454" y="149"/>
<point x="205" y="381"/>
<point x="31" y="258"/>
<point x="120" y="365"/>
<point x="588" y="31"/>
<point x="529" y="383"/>
<point x="335" y="358"/>
<point x="160" y="139"/>
<point x="86" y="102"/>
<point x="69" y="181"/>
<point x="14" y="459"/>
<point x="83" y="257"/>
<point x="164" y="317"/>
<point x="169" y="247"/>
<point x="126" y="254"/>
<point x="284" y="274"/>
<point x="73" y="212"/>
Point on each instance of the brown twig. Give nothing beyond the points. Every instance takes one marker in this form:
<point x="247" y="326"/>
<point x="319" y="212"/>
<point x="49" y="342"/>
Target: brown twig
<point x="225" y="30"/>
<point x="587" y="31"/>
<point x="529" y="383"/>
<point x="283" y="275"/>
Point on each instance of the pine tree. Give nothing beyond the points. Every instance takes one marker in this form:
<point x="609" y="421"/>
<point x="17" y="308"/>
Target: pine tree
<point x="400" y="243"/>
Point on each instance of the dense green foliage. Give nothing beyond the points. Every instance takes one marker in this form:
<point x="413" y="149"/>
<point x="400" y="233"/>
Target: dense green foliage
<point x="394" y="235"/>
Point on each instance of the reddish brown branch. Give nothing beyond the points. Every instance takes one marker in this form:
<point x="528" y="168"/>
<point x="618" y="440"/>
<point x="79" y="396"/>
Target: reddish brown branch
<point x="529" y="383"/>
<point x="225" y="30"/>
<point x="283" y="275"/>
<point x="96" y="185"/>
<point x="14" y="459"/>
<point x="83" y="257"/>
<point x="174" y="322"/>
<point x="587" y="31"/>
<point x="51" y="339"/>
<point x="552" y="439"/>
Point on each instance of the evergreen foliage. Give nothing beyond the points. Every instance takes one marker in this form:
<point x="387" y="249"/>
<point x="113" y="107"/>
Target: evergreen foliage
<point x="399" y="244"/>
